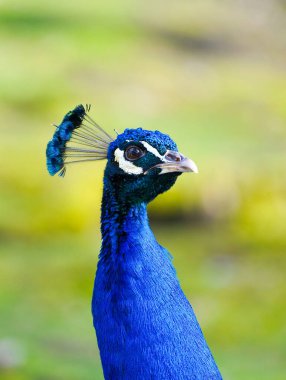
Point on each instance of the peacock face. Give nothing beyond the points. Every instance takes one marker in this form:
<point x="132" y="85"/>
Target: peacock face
<point x="142" y="164"/>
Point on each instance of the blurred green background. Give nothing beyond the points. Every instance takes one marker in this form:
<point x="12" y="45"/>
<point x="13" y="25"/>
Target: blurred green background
<point x="212" y="74"/>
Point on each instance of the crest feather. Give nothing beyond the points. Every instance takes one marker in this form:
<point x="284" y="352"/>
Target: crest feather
<point x="77" y="139"/>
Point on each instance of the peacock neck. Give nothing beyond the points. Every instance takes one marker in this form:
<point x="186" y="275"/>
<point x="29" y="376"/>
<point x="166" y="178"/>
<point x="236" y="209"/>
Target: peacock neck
<point x="121" y="220"/>
<point x="145" y="326"/>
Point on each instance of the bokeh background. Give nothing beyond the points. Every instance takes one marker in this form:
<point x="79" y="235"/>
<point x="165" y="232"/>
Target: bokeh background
<point x="210" y="73"/>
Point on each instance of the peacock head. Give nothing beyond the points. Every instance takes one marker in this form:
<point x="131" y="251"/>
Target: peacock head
<point x="140" y="164"/>
<point x="143" y="164"/>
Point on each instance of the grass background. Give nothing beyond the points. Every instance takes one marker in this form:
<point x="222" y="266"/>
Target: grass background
<point x="212" y="75"/>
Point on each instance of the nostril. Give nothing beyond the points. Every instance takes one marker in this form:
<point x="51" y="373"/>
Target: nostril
<point x="173" y="156"/>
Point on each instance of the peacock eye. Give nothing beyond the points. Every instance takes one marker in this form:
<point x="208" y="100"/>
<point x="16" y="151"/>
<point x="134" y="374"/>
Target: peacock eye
<point x="133" y="153"/>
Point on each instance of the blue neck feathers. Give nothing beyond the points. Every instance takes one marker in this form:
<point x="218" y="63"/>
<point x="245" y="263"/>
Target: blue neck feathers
<point x="145" y="326"/>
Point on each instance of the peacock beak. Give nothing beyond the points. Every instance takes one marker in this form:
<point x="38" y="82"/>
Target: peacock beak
<point x="187" y="165"/>
<point x="176" y="162"/>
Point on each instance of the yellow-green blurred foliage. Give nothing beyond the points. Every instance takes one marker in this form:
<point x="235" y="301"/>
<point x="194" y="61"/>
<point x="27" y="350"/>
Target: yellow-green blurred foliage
<point x="212" y="75"/>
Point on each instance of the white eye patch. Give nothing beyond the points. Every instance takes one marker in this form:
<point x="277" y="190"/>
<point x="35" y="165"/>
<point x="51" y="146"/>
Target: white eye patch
<point x="128" y="166"/>
<point x="152" y="150"/>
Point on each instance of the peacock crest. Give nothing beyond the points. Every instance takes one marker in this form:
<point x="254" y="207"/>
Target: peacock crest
<point x="78" y="138"/>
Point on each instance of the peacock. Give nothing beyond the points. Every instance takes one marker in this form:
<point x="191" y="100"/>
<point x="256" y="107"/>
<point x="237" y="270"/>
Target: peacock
<point x="146" y="328"/>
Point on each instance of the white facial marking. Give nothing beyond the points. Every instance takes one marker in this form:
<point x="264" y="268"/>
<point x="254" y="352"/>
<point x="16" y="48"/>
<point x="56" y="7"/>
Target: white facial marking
<point x="152" y="150"/>
<point x="127" y="166"/>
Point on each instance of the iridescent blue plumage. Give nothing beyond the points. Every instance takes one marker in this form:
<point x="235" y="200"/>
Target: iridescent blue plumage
<point x="145" y="326"/>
